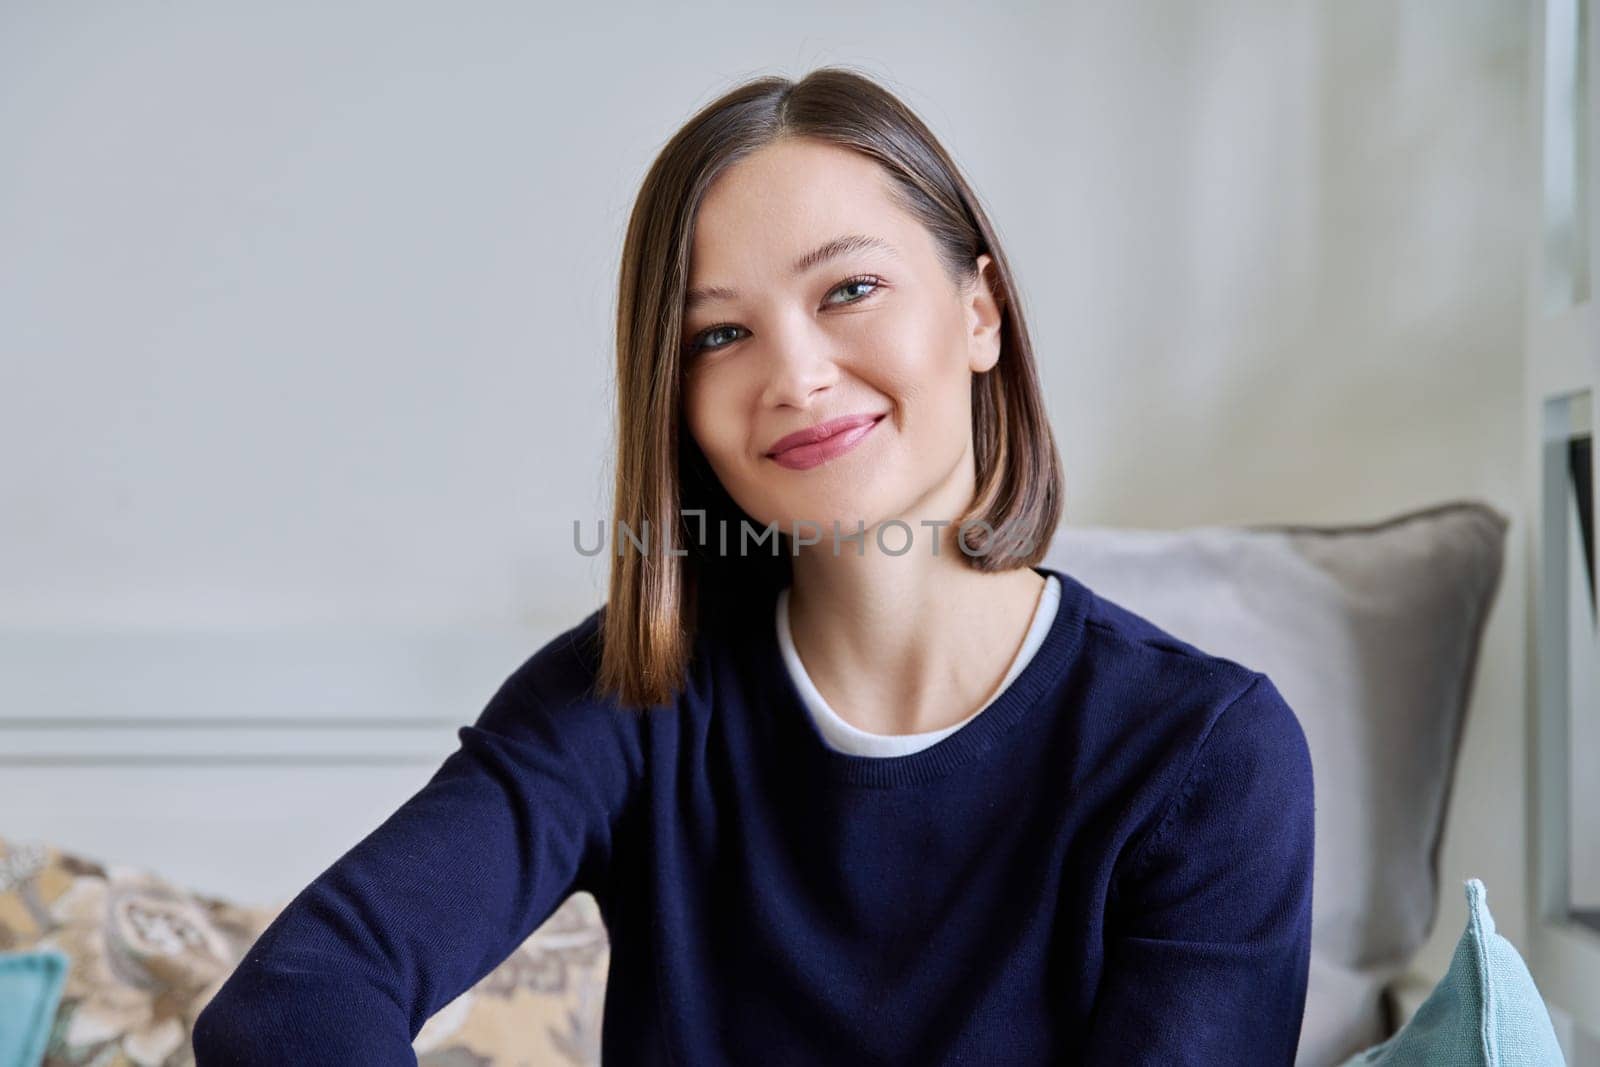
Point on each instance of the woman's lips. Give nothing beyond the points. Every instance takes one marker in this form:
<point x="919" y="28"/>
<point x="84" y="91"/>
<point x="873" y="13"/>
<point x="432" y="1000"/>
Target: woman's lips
<point x="824" y="442"/>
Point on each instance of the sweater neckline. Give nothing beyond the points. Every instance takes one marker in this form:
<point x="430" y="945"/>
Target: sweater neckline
<point x="844" y="736"/>
<point x="974" y="737"/>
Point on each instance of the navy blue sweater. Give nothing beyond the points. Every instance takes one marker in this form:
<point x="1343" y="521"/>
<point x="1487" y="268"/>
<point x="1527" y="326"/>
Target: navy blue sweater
<point x="1110" y="865"/>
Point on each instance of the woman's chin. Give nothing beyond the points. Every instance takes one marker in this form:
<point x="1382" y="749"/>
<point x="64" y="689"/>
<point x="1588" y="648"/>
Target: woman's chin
<point x="850" y="527"/>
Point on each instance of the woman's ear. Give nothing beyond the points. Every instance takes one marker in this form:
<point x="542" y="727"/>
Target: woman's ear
<point x="983" y="319"/>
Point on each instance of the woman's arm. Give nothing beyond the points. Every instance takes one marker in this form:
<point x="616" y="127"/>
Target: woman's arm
<point x="434" y="898"/>
<point x="1209" y="937"/>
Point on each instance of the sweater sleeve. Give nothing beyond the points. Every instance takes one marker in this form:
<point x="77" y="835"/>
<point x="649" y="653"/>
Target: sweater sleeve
<point x="1209" y="940"/>
<point x="514" y="820"/>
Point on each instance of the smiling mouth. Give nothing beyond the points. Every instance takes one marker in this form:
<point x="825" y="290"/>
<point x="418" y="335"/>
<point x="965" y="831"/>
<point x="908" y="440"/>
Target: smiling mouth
<point x="817" y="450"/>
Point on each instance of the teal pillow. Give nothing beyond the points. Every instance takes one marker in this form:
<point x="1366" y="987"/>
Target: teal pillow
<point x="1485" y="1011"/>
<point x="30" y="989"/>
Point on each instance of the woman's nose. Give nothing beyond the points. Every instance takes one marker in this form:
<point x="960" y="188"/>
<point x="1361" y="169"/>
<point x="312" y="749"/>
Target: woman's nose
<point x="798" y="365"/>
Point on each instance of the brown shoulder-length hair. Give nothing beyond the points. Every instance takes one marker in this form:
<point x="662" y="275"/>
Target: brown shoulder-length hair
<point x="662" y="594"/>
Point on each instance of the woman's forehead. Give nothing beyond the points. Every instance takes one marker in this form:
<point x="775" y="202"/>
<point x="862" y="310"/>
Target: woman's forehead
<point x="771" y="220"/>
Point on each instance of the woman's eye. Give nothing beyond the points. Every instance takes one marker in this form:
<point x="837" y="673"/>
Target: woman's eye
<point x="700" y="342"/>
<point x="853" y="282"/>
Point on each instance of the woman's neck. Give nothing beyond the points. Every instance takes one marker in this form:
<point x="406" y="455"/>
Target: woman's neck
<point x="898" y="645"/>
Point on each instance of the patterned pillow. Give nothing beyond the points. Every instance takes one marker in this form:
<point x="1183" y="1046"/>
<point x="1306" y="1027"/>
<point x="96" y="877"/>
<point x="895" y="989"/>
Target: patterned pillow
<point x="145" y="957"/>
<point x="541" y="1005"/>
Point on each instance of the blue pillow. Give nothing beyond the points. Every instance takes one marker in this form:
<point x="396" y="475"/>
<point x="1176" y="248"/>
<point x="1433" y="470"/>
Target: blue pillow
<point x="1485" y="1011"/>
<point x="30" y="989"/>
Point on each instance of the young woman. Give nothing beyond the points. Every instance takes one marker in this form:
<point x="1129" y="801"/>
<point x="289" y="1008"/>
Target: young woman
<point x="894" y="794"/>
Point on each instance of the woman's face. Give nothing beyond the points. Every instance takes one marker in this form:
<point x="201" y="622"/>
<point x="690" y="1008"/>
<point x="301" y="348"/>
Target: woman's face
<point x="878" y="331"/>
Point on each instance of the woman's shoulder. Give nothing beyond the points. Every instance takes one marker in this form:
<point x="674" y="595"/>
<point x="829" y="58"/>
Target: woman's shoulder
<point x="1207" y="744"/>
<point x="563" y="675"/>
<point x="1178" y="690"/>
<point x="1119" y="638"/>
<point x="550" y="702"/>
<point x="564" y="668"/>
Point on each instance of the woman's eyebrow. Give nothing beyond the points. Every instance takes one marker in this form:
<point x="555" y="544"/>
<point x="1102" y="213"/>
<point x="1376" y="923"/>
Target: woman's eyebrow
<point x="850" y="242"/>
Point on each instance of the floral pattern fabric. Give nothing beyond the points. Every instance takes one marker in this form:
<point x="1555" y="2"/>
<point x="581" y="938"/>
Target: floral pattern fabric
<point x="146" y="956"/>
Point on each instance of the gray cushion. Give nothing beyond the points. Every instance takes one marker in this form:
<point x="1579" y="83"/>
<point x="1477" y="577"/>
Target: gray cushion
<point x="1371" y="633"/>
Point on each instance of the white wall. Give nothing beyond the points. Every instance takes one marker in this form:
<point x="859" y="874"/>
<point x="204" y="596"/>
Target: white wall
<point x="305" y="310"/>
